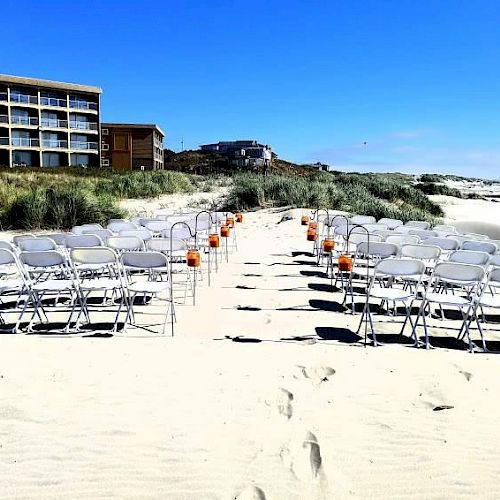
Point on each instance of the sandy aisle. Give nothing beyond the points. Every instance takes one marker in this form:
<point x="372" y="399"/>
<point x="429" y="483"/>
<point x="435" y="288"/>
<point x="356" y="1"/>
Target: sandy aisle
<point x="297" y="410"/>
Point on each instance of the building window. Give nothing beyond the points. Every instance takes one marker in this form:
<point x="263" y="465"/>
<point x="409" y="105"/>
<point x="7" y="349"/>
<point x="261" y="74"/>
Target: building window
<point x="105" y="162"/>
<point x="105" y="131"/>
<point x="105" y="147"/>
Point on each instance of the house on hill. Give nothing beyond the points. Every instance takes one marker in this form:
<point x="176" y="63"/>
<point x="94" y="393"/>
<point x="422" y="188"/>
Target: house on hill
<point x="248" y="153"/>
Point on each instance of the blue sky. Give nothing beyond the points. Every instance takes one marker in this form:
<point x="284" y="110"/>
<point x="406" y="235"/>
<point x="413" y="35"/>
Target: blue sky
<point x="372" y="85"/>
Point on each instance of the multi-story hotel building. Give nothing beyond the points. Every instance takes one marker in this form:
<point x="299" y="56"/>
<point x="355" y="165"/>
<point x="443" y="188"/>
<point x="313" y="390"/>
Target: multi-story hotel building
<point x="127" y="146"/>
<point x="48" y="124"/>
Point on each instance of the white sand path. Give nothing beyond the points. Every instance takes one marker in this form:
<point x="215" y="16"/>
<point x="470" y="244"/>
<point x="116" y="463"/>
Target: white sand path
<point x="296" y="412"/>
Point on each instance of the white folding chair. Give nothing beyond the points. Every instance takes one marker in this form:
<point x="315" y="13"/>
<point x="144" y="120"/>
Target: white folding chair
<point x="153" y="268"/>
<point x="476" y="236"/>
<point x="469" y="277"/>
<point x="424" y="234"/>
<point x="445" y="228"/>
<point x="104" y="234"/>
<point x="388" y="284"/>
<point x="489" y="298"/>
<point x="12" y="286"/>
<point x="20" y="237"/>
<point x="402" y="239"/>
<point x="85" y="227"/>
<point x="445" y="244"/>
<point x="110" y="280"/>
<point x="123" y="225"/>
<point x="362" y="219"/>
<point x="83" y="241"/>
<point x="58" y="238"/>
<point x="59" y="280"/>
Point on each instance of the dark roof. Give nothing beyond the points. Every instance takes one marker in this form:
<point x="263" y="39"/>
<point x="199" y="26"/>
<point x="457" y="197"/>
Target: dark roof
<point x="36" y="82"/>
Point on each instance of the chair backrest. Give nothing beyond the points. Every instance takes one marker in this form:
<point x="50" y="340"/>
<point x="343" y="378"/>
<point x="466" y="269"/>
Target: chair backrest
<point x="104" y="234"/>
<point x="180" y="232"/>
<point x="446" y="244"/>
<point x="380" y="250"/>
<point x="7" y="245"/>
<point x="145" y="260"/>
<point x="85" y="227"/>
<point x="20" y="237"/>
<point x="341" y="230"/>
<point x="495" y="260"/>
<point x="83" y="241"/>
<point x="480" y="246"/>
<point x="400" y="267"/>
<point x="424" y="234"/>
<point x="116" y="227"/>
<point x="95" y="255"/>
<point x="363" y="219"/>
<point x="357" y="238"/>
<point x="384" y="233"/>
<point x="157" y="226"/>
<point x="142" y="233"/>
<point x="402" y="239"/>
<point x="418" y="224"/>
<point x="469" y="257"/>
<point x="445" y="228"/>
<point x="404" y="229"/>
<point x="37" y="244"/>
<point x="43" y="259"/>
<point x="391" y="223"/>
<point x="476" y="236"/>
<point x="125" y="243"/>
<point x="427" y="253"/>
<point x="7" y="257"/>
<point x="375" y="227"/>
<point x="335" y="220"/>
<point x="163" y="245"/>
<point x="493" y="278"/>
<point x="467" y="273"/>
<point x="58" y="238"/>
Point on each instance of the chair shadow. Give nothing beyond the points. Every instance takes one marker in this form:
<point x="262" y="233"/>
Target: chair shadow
<point x="252" y="275"/>
<point x="392" y="338"/>
<point x="244" y="340"/>
<point x="305" y="262"/>
<point x="343" y="335"/>
<point x="311" y="274"/>
<point x="52" y="328"/>
<point x="322" y="287"/>
<point x="327" y="305"/>
<point x="248" y="308"/>
<point x="446" y="342"/>
<point x="304" y="254"/>
<point x="6" y="328"/>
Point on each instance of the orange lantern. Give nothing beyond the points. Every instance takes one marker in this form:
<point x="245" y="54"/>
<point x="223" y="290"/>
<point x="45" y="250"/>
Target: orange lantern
<point x="230" y="221"/>
<point x="213" y="241"/>
<point x="193" y="258"/>
<point x="224" y="231"/>
<point x="345" y="263"/>
<point x="328" y="245"/>
<point x="313" y="225"/>
<point x="304" y="220"/>
<point x="239" y="217"/>
<point x="312" y="234"/>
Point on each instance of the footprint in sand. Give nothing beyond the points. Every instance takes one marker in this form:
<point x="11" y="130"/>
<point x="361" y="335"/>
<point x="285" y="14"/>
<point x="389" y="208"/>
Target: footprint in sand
<point x="284" y="403"/>
<point x="303" y="458"/>
<point x="250" y="493"/>
<point x="317" y="374"/>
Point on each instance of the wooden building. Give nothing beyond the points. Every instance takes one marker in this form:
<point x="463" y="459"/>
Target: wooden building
<point x="126" y="146"/>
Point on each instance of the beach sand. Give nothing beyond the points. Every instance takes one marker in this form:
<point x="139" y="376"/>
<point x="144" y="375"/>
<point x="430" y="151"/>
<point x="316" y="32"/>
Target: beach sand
<point x="265" y="391"/>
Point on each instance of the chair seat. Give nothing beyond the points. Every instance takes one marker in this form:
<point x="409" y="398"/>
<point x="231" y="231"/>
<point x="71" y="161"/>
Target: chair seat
<point x="101" y="284"/>
<point x="53" y="285"/>
<point x="363" y="271"/>
<point x="448" y="298"/>
<point x="11" y="284"/>
<point x="379" y="292"/>
<point x="90" y="267"/>
<point x="149" y="286"/>
<point x="490" y="301"/>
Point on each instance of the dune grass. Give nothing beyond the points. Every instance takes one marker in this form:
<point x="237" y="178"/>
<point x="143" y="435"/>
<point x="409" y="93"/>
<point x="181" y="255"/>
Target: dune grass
<point x="378" y="195"/>
<point x="59" y="199"/>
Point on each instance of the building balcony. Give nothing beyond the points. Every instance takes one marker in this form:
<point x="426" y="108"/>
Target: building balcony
<point x="83" y="125"/>
<point x="24" y="99"/>
<point x="53" y="123"/>
<point x="4" y="120"/>
<point x="54" y="144"/>
<point x="53" y="102"/>
<point x="24" y="120"/>
<point x="84" y="146"/>
<point x="83" y="105"/>
<point x="22" y="142"/>
<point x="3" y="96"/>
